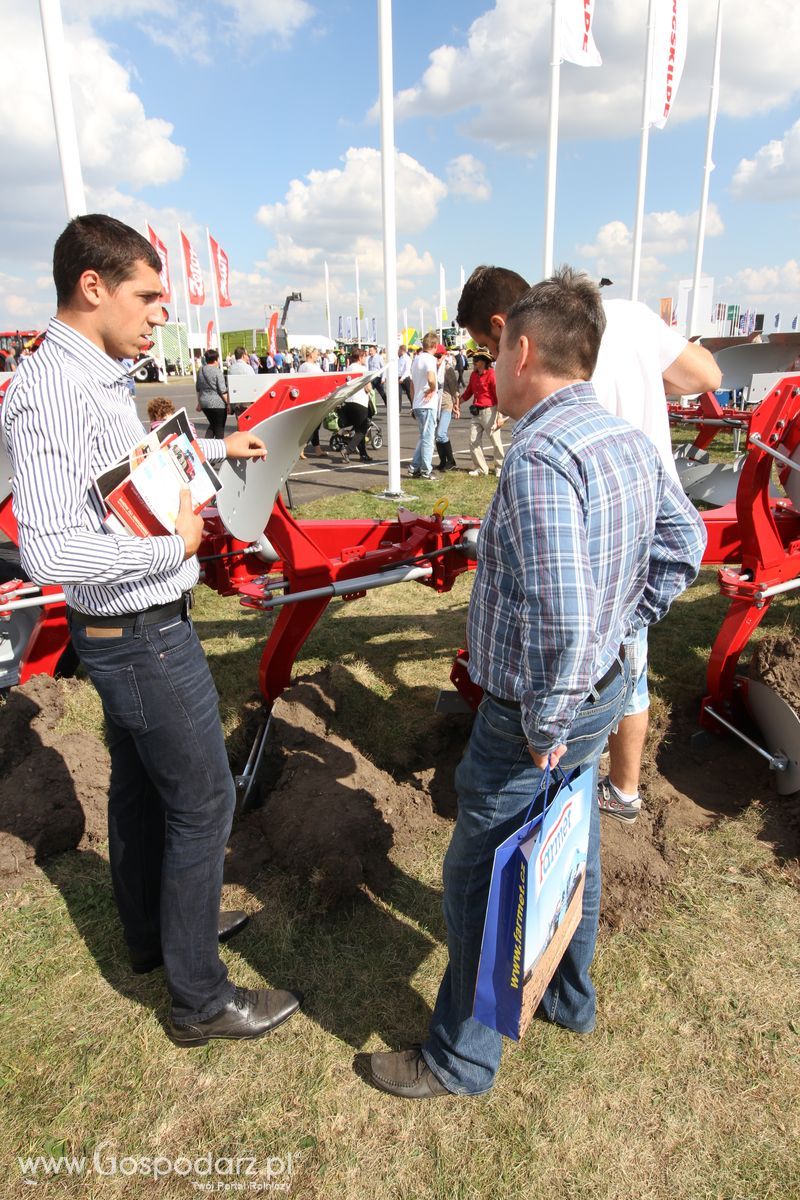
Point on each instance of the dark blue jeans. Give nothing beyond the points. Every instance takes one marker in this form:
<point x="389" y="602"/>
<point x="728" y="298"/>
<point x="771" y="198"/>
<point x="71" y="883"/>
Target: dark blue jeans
<point x="170" y="803"/>
<point x="496" y="781"/>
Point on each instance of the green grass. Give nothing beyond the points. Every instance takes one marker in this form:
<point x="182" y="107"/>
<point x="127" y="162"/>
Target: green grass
<point x="687" y="1091"/>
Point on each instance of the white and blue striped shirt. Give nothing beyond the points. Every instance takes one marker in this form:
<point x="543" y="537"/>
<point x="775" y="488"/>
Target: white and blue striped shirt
<point x="66" y="416"/>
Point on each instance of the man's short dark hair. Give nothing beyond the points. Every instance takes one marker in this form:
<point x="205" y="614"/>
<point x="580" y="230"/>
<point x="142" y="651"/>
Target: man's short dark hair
<point x="212" y="356"/>
<point x="97" y="242"/>
<point x="564" y="316"/>
<point x="488" y="290"/>
<point x="239" y="352"/>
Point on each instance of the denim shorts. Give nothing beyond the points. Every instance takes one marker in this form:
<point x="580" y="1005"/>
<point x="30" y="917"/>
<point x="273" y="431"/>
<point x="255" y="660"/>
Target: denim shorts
<point x="636" y="652"/>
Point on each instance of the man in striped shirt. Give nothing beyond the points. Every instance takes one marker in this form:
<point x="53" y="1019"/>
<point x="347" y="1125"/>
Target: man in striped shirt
<point x="66" y="417"/>
<point x="587" y="539"/>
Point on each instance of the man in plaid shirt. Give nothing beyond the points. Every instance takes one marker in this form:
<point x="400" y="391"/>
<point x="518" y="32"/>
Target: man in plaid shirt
<point x="587" y="539"/>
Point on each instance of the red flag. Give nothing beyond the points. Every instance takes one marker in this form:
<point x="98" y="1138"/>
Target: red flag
<point x="210" y="336"/>
<point x="197" y="291"/>
<point x="161" y="251"/>
<point x="273" y="333"/>
<point x="222" y="273"/>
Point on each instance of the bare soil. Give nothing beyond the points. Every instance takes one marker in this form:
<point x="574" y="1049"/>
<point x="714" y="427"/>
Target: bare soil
<point x="53" y="788"/>
<point x="332" y="818"/>
<point x="776" y="662"/>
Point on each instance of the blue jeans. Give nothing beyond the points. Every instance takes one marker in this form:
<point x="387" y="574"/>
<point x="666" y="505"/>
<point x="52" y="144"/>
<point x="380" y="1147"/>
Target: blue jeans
<point x="443" y="428"/>
<point x="423" y="453"/>
<point x="496" y="781"/>
<point x="170" y="804"/>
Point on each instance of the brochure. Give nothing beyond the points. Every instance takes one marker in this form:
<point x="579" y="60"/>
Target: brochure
<point x="142" y="490"/>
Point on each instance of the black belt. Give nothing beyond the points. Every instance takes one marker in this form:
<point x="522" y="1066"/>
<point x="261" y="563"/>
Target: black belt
<point x="609" y="677"/>
<point x="149" y="616"/>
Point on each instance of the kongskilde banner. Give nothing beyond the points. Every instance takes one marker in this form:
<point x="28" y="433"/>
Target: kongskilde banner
<point x="161" y="251"/>
<point x="221" y="272"/>
<point x="576" y="40"/>
<point x="669" y="55"/>
<point x="197" y="291"/>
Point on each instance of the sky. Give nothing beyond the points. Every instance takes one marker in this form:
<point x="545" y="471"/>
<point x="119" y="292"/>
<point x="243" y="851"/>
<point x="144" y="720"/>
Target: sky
<point x="258" y="119"/>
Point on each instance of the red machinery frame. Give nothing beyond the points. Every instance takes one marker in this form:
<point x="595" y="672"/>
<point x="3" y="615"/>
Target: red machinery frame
<point x="759" y="533"/>
<point x="316" y="560"/>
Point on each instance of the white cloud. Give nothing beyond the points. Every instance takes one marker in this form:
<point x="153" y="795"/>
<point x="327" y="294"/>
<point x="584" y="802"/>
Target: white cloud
<point x="466" y="176"/>
<point x="770" y="286"/>
<point x="498" y="77"/>
<point x="190" y="31"/>
<point x="664" y="235"/>
<point x="344" y="203"/>
<point x="774" y="173"/>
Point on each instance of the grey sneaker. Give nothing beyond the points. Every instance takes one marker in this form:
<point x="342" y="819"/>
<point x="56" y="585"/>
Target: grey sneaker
<point x="609" y="801"/>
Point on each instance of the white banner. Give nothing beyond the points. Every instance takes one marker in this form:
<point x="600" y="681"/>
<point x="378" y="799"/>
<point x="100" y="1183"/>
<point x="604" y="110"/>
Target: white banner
<point x="576" y="42"/>
<point x="669" y="55"/>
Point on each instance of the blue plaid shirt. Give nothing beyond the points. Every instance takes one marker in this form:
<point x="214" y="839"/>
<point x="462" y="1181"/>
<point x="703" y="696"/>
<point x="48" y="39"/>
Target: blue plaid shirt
<point x="586" y="540"/>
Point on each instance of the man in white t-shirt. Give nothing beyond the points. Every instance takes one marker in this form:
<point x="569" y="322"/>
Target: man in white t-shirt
<point x="640" y="356"/>
<point x="425" y="391"/>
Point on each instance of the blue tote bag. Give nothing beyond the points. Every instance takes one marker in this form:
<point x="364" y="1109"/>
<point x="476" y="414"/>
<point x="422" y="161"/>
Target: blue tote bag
<point x="535" y="904"/>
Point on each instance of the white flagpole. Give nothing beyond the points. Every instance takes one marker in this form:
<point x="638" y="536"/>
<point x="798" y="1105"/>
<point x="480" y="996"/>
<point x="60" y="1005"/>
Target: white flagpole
<point x="328" y="301"/>
<point x="358" y="308"/>
<point x="462" y="280"/>
<point x="640" y="189"/>
<point x="707" y="169"/>
<point x="214" y="295"/>
<point x="188" y="306"/>
<point x="63" y="111"/>
<point x="421" y="323"/>
<point x="388" y="198"/>
<point x="552" y="143"/>
<point x="442" y="302"/>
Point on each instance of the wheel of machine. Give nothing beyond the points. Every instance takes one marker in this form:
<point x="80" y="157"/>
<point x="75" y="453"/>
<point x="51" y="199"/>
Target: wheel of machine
<point x="336" y="442"/>
<point x="376" y="439"/>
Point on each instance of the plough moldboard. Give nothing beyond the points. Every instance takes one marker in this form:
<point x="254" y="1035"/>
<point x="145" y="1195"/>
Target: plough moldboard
<point x="254" y="548"/>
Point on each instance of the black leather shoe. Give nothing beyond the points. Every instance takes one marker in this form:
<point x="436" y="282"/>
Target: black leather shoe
<point x="365" y="458"/>
<point x="230" y="923"/>
<point x="250" y="1013"/>
<point x="405" y="1073"/>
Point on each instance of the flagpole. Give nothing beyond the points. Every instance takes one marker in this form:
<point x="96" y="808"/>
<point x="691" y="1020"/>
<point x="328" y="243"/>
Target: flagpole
<point x="442" y="302"/>
<point x="328" y="301"/>
<point x="63" y="111"/>
<point x="638" y="225"/>
<point x="215" y="298"/>
<point x="552" y="144"/>
<point x="188" y="306"/>
<point x="358" y="308"/>
<point x="389" y="199"/>
<point x="708" y="167"/>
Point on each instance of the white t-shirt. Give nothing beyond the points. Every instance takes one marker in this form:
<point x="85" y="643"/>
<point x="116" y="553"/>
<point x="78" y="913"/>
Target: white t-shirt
<point x="361" y="397"/>
<point x="423" y="366"/>
<point x="636" y="349"/>
<point x="309" y="367"/>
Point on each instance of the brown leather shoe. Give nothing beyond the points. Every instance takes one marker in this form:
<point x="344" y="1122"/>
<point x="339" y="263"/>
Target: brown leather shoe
<point x="405" y="1073"/>
<point x="230" y="922"/>
<point x="250" y="1013"/>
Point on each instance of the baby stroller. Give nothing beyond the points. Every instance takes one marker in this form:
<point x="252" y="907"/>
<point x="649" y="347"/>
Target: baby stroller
<point x="340" y="434"/>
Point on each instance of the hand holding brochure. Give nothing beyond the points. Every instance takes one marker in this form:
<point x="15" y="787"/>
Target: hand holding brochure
<point x="142" y="490"/>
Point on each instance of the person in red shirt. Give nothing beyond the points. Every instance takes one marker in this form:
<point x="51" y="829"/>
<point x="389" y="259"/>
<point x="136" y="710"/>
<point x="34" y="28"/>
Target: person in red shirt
<point x="481" y="397"/>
